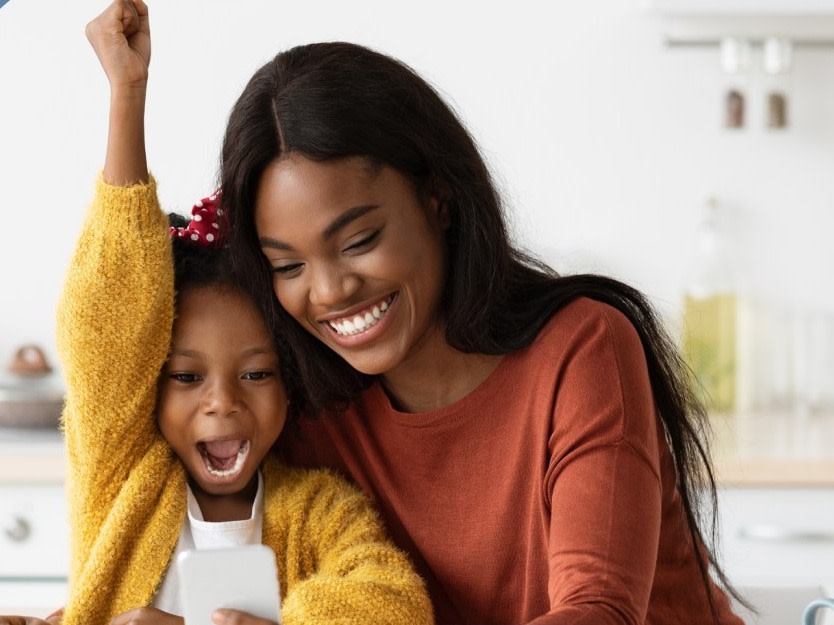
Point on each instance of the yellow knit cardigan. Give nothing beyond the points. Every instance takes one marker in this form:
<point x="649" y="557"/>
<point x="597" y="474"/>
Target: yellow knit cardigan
<point x="127" y="489"/>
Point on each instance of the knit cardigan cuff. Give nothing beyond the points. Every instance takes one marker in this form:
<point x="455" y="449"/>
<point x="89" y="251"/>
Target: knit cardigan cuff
<point x="128" y="205"/>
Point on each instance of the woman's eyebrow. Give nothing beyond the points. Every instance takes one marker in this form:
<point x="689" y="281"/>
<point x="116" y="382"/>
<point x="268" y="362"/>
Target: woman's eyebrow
<point x="345" y="218"/>
<point x="352" y="214"/>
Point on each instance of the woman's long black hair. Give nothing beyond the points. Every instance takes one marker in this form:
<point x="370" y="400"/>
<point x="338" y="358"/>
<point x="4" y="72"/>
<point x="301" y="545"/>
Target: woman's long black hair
<point x="333" y="100"/>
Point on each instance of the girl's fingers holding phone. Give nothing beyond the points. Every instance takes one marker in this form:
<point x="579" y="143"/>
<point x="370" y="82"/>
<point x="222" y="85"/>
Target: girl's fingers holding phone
<point x="21" y="620"/>
<point x="235" y="617"/>
<point x="146" y="616"/>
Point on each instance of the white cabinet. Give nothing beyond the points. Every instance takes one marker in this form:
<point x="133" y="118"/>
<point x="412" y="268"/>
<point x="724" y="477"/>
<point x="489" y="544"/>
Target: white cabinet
<point x="778" y="546"/>
<point x="34" y="532"/>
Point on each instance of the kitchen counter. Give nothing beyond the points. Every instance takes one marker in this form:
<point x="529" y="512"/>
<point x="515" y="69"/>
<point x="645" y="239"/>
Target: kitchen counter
<point x="774" y="450"/>
<point x="770" y="450"/>
<point x="31" y="456"/>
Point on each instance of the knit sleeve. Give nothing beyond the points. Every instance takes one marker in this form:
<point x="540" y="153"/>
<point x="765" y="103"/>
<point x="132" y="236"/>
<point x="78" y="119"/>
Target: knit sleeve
<point x="338" y="565"/>
<point x="114" y="328"/>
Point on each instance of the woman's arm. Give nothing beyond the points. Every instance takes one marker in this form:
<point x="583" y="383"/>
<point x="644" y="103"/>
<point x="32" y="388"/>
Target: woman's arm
<point x="603" y="481"/>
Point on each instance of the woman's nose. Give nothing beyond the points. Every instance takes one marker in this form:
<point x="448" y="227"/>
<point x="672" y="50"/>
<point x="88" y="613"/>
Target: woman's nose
<point x="220" y="399"/>
<point x="332" y="286"/>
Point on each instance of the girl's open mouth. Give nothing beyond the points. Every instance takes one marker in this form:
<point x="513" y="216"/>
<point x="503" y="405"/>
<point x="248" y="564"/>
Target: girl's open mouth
<point x="224" y="458"/>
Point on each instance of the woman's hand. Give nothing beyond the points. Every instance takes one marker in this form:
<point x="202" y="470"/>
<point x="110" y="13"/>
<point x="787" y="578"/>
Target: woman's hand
<point x="235" y="617"/>
<point x="142" y="616"/>
<point x="121" y="38"/>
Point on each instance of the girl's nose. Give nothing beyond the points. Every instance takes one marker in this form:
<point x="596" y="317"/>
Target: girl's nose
<point x="220" y="399"/>
<point x="332" y="286"/>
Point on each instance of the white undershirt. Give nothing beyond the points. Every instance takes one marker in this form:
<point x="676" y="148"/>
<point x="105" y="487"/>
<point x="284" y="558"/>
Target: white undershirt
<point x="197" y="533"/>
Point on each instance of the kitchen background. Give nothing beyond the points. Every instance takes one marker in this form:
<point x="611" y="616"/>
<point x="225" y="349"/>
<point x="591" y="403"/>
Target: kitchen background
<point x="608" y="144"/>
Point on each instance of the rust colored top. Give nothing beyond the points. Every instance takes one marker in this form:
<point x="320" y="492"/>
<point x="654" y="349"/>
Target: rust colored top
<point x="546" y="495"/>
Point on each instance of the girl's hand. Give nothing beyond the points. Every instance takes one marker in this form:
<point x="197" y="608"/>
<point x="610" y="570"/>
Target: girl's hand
<point x="54" y="619"/>
<point x="141" y="616"/>
<point x="235" y="617"/>
<point x="121" y="38"/>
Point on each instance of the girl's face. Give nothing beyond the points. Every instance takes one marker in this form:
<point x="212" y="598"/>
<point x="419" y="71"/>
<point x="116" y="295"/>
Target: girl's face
<point x="222" y="402"/>
<point x="358" y="259"/>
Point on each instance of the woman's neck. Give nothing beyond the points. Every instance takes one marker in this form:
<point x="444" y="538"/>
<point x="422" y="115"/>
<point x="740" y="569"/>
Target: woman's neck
<point x="231" y="507"/>
<point x="437" y="376"/>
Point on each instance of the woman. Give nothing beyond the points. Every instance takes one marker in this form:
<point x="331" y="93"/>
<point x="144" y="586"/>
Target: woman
<point x="531" y="439"/>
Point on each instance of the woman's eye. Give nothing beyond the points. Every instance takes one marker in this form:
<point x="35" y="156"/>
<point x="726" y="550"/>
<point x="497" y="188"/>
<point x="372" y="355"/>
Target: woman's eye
<point x="185" y="378"/>
<point x="257" y="375"/>
<point x="287" y="270"/>
<point x="363" y="242"/>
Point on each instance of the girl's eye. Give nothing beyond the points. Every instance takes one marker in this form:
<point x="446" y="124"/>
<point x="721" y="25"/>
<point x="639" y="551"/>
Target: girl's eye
<point x="185" y="378"/>
<point x="257" y="375"/>
<point x="364" y="241"/>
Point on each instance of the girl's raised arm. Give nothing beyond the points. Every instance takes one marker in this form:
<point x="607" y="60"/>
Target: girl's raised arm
<point x="121" y="39"/>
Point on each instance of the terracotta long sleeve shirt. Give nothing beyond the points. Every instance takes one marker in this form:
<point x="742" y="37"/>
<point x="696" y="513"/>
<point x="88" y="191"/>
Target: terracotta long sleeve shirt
<point x="546" y="495"/>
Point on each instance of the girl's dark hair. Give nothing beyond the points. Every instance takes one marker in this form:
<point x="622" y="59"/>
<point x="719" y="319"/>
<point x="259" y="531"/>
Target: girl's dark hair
<point x="333" y="100"/>
<point x="196" y="265"/>
<point x="200" y="266"/>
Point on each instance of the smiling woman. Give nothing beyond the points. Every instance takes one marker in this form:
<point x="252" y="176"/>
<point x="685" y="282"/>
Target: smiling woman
<point x="531" y="439"/>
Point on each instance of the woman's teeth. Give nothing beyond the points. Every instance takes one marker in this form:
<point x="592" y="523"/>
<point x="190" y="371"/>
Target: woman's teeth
<point x="362" y="322"/>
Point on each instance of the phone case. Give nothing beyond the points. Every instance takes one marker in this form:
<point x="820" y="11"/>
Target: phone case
<point x="241" y="578"/>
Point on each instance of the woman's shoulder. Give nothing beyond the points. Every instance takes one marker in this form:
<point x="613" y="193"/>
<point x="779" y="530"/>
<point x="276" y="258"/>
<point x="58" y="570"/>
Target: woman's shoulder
<point x="584" y="318"/>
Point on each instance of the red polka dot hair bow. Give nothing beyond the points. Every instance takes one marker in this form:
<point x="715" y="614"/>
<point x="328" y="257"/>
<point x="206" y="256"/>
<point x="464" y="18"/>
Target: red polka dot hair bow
<point x="205" y="226"/>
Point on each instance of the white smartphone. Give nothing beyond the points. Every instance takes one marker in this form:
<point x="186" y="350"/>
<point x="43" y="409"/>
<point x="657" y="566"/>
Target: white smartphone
<point x="241" y="578"/>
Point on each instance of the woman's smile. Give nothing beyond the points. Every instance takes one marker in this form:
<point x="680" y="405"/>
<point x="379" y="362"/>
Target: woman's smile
<point x="363" y="325"/>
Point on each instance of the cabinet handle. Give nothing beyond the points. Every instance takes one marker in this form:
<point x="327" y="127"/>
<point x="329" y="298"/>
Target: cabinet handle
<point x="19" y="531"/>
<point x="774" y="533"/>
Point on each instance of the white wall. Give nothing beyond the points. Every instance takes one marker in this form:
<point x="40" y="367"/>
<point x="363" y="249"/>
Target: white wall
<point x="606" y="142"/>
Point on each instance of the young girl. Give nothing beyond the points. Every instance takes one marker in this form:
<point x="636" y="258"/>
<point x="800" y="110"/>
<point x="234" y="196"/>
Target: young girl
<point x="175" y="398"/>
<point x="163" y="462"/>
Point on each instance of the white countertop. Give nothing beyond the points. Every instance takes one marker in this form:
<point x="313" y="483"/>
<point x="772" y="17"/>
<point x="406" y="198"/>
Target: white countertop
<point x="774" y="450"/>
<point x="771" y="450"/>
<point x="31" y="456"/>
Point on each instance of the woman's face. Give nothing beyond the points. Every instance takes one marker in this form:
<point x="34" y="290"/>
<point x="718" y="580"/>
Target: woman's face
<point x="358" y="259"/>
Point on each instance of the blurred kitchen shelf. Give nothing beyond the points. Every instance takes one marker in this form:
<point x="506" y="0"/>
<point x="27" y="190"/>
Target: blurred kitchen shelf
<point x="741" y="7"/>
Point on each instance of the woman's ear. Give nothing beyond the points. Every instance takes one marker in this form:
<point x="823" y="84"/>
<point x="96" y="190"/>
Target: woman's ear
<point x="438" y="201"/>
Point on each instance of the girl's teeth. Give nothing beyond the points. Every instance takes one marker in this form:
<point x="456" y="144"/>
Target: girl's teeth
<point x="238" y="465"/>
<point x="376" y="312"/>
<point x="383" y="306"/>
<point x="359" y="322"/>
<point x="348" y="327"/>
